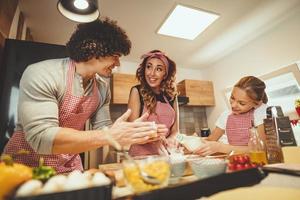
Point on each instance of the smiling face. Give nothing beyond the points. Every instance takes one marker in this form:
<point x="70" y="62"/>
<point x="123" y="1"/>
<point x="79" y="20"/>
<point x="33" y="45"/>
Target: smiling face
<point x="240" y="102"/>
<point x="155" y="71"/>
<point x="105" y="65"/>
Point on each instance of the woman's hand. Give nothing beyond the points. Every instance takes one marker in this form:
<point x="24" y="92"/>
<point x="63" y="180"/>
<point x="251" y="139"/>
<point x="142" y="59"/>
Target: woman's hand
<point x="171" y="142"/>
<point x="208" y="148"/>
<point x="162" y="130"/>
<point x="127" y="133"/>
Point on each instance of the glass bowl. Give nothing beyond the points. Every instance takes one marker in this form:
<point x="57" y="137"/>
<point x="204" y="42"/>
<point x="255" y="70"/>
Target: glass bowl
<point x="156" y="166"/>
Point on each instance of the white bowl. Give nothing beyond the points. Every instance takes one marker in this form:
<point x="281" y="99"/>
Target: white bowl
<point x="207" y="167"/>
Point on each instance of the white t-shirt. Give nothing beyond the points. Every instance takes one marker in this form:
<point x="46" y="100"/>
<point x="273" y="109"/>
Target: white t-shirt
<point x="259" y="116"/>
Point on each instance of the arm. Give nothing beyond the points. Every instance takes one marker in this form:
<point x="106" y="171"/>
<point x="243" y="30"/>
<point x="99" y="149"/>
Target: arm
<point x="216" y="134"/>
<point x="126" y="133"/>
<point x="211" y="146"/>
<point x="171" y="141"/>
<point x="134" y="104"/>
<point x="175" y="127"/>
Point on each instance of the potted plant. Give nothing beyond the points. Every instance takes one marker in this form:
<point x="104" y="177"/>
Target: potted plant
<point x="297" y="106"/>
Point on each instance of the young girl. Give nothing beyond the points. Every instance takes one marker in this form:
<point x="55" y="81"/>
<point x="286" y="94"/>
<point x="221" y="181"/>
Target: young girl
<point x="248" y="103"/>
<point x="156" y="95"/>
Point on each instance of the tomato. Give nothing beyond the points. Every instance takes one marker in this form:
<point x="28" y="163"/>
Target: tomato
<point x="231" y="166"/>
<point x="247" y="166"/>
<point x="239" y="167"/>
<point x="241" y="160"/>
<point x="253" y="165"/>
<point x="246" y="158"/>
<point x="235" y="159"/>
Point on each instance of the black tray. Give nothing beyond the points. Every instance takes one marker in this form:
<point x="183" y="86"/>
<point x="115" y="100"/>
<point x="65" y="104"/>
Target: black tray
<point x="206" y="187"/>
<point x="92" y="193"/>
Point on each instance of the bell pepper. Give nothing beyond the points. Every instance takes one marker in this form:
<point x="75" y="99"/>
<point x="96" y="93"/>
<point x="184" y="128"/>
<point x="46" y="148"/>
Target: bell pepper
<point x="12" y="175"/>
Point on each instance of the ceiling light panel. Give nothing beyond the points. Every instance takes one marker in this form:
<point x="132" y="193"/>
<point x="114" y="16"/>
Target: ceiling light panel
<point x="187" y="23"/>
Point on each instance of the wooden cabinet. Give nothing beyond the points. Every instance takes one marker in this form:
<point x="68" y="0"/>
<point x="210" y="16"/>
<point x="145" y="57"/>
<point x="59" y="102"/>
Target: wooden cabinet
<point x="120" y="87"/>
<point x="200" y="92"/>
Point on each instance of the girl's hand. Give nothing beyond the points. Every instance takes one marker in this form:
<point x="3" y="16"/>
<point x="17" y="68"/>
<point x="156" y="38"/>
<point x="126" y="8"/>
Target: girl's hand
<point x="208" y="148"/>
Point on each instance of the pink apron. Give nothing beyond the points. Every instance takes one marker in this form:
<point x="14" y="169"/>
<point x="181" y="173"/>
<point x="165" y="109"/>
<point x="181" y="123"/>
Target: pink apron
<point x="73" y="113"/>
<point x="237" y="128"/>
<point x="165" y="114"/>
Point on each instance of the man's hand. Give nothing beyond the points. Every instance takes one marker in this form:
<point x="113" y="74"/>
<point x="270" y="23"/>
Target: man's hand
<point x="127" y="133"/>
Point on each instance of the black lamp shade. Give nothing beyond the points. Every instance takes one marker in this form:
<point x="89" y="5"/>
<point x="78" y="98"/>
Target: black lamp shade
<point x="67" y="9"/>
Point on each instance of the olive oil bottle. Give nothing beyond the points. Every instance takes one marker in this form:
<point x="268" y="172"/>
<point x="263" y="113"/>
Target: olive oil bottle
<point x="257" y="150"/>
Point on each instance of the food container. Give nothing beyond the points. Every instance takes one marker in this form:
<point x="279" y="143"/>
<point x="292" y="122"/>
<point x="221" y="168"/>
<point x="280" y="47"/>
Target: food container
<point x="156" y="166"/>
<point x="207" y="167"/>
<point x="75" y="186"/>
<point x="93" y="193"/>
<point x="177" y="162"/>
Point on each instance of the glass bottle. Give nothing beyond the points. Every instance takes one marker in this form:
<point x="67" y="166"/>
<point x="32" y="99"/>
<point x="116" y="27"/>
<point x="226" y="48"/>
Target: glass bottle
<point x="256" y="146"/>
<point x="190" y="142"/>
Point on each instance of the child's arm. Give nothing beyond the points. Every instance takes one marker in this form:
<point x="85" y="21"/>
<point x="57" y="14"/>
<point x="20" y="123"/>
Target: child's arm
<point x="211" y="147"/>
<point x="216" y="134"/>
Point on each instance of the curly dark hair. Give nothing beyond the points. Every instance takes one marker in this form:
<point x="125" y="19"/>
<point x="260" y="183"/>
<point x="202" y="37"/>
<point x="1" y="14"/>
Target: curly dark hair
<point x="167" y="86"/>
<point x="96" y="39"/>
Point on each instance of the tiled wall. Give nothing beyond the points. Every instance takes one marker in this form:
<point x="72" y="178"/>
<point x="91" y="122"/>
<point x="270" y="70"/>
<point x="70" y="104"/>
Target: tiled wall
<point x="191" y="118"/>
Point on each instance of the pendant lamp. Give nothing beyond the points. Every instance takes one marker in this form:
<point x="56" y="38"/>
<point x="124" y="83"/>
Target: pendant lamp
<point x="79" y="10"/>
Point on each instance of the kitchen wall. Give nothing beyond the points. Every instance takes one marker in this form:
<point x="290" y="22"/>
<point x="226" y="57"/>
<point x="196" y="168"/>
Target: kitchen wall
<point x="277" y="47"/>
<point x="7" y="11"/>
<point x="13" y="25"/>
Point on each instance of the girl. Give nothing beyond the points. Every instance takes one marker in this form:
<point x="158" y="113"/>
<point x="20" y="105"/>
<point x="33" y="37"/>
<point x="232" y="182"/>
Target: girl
<point x="156" y="95"/>
<point x="248" y="103"/>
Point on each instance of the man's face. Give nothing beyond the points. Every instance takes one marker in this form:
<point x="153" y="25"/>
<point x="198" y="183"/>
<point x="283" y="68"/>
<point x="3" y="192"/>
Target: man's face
<point x="105" y="65"/>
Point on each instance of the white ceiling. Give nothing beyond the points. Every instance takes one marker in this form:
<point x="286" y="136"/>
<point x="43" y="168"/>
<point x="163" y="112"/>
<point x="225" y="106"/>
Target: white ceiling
<point x="240" y="22"/>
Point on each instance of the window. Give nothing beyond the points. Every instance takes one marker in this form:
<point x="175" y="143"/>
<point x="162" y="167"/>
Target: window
<point x="283" y="88"/>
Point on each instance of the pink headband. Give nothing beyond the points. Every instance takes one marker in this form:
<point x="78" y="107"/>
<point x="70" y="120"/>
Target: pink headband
<point x="159" y="55"/>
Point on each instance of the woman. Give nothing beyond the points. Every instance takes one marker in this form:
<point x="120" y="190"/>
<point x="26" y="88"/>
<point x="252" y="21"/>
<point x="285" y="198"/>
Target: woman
<point x="155" y="95"/>
<point x="58" y="96"/>
<point x="248" y="104"/>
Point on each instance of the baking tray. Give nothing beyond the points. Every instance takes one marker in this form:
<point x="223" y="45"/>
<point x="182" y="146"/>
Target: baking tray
<point x="206" y="187"/>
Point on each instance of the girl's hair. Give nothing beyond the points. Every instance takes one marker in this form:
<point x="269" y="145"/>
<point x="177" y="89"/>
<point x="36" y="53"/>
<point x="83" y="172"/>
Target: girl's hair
<point x="96" y="39"/>
<point x="254" y="88"/>
<point x="167" y="86"/>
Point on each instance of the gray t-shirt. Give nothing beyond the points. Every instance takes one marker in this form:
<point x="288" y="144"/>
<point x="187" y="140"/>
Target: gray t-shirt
<point x="42" y="88"/>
